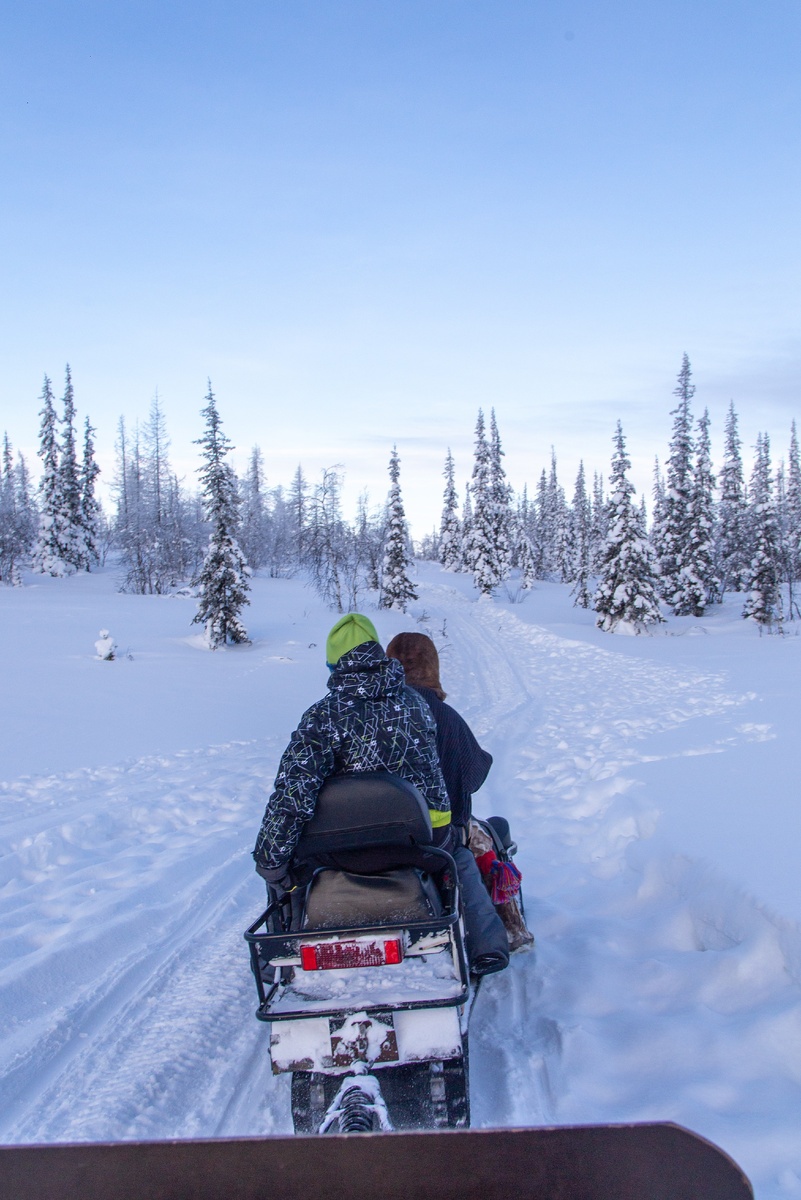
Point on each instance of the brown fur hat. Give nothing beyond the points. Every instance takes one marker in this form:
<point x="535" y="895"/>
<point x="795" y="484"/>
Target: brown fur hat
<point x="418" y="656"/>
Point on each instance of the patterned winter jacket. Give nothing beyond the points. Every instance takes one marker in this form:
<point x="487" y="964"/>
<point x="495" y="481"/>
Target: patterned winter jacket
<point x="369" y="721"/>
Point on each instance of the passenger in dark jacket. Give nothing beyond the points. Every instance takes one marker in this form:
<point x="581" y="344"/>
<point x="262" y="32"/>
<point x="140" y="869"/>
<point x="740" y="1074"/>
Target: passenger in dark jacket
<point x="464" y="764"/>
<point x="465" y="767"/>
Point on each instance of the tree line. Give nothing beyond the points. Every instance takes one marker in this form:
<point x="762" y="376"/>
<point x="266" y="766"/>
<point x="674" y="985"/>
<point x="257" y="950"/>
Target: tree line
<point x="165" y="535"/>
<point x="709" y="534"/>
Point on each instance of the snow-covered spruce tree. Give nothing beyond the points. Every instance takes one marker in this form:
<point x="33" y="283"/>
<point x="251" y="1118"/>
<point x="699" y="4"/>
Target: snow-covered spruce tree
<point x="47" y="553"/>
<point x="548" y="517"/>
<point x="327" y="539"/>
<point x="450" y="532"/>
<point x="467" y="531"/>
<point x="223" y="577"/>
<point x="71" y="542"/>
<point x="396" y="587"/>
<point x="481" y="550"/>
<point x="526" y="560"/>
<point x="626" y="597"/>
<point x="162" y="548"/>
<point x="500" y="504"/>
<point x="763" y="599"/>
<point x="698" y="584"/>
<point x="671" y="536"/>
<point x="793" y="518"/>
<point x="658" y="493"/>
<point x="91" y="515"/>
<point x="157" y="528"/>
<point x="280" y="541"/>
<point x="733" y="536"/>
<point x="11" y="537"/>
<point x="369" y="542"/>
<point x="600" y="522"/>
<point x="560" y="551"/>
<point x="581" y="531"/>
<point x="297" y="502"/>
<point x="253" y="532"/>
<point x="18" y="516"/>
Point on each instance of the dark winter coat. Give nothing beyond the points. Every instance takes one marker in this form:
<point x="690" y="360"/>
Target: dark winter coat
<point x="369" y="721"/>
<point x="464" y="764"/>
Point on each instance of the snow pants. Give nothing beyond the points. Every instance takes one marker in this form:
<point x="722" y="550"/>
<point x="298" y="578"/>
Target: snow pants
<point x="486" y="941"/>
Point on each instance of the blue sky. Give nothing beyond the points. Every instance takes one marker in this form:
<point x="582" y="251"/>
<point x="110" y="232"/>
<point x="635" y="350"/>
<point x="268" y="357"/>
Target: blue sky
<point x="365" y="219"/>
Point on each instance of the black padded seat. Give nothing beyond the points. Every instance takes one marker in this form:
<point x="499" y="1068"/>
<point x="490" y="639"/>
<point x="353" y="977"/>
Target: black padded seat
<point x="339" y="899"/>
<point x="500" y="830"/>
<point x="354" y="812"/>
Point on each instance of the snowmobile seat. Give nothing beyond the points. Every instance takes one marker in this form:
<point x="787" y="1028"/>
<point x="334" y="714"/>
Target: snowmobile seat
<point x="368" y="810"/>
<point x="499" y="831"/>
<point x="337" y="899"/>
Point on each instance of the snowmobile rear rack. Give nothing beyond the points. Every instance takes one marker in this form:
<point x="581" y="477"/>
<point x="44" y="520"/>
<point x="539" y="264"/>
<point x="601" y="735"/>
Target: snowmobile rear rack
<point x="593" y="1162"/>
<point x="265" y="946"/>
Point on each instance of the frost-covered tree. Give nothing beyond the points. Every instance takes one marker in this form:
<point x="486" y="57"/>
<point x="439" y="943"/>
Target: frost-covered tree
<point x="733" y="540"/>
<point x="47" y="554"/>
<point x="500" y="495"/>
<point x="223" y="578"/>
<point x="158" y="531"/>
<point x="21" y="504"/>
<point x="297" y="505"/>
<point x="658" y="493"/>
<point x="481" y="550"/>
<point x="698" y="584"/>
<point x="763" y="593"/>
<point x="396" y="587"/>
<point x="552" y="523"/>
<point x="91" y="515"/>
<point x="793" y="510"/>
<point x="671" y="536"/>
<point x="16" y="526"/>
<point x="254" y="516"/>
<point x="626" y="597"/>
<point x="450" y="532"/>
<point x="280" y="535"/>
<point x="526" y="561"/>
<point x="560" y="545"/>
<point x="369" y="540"/>
<point x="327" y="539"/>
<point x="467" y="531"/>
<point x="600" y="522"/>
<point x="70" y="532"/>
<point x="581" y="539"/>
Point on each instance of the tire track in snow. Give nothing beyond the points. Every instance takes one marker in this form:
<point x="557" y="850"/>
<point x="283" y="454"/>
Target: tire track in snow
<point x="565" y="721"/>
<point x="139" y="1019"/>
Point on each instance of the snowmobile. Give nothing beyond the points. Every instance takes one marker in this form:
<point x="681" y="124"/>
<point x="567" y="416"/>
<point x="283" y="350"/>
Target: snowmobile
<point x="361" y="970"/>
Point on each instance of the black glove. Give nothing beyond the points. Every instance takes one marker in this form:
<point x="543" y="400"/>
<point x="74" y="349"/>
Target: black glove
<point x="279" y="878"/>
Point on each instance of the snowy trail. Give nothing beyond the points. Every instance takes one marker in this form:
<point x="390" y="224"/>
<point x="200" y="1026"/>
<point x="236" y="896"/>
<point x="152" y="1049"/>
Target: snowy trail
<point x="657" y="990"/>
<point x="652" y="975"/>
<point x="134" y="1004"/>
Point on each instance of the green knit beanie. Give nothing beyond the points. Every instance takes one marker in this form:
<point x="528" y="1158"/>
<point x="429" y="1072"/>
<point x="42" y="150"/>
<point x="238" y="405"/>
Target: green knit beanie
<point x="351" y="630"/>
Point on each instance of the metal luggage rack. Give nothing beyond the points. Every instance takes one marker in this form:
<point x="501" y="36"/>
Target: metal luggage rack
<point x="287" y="945"/>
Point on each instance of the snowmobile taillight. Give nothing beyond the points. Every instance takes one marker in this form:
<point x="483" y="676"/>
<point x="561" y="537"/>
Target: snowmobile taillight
<point x="329" y="956"/>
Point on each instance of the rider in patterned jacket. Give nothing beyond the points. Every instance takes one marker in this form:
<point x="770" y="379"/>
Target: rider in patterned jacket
<point x="369" y="721"/>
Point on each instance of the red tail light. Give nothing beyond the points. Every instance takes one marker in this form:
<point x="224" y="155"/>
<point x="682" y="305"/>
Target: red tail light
<point x="393" y="951"/>
<point x="330" y="956"/>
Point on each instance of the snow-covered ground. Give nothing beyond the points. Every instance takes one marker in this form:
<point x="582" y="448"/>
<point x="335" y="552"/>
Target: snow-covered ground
<point x="651" y="783"/>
